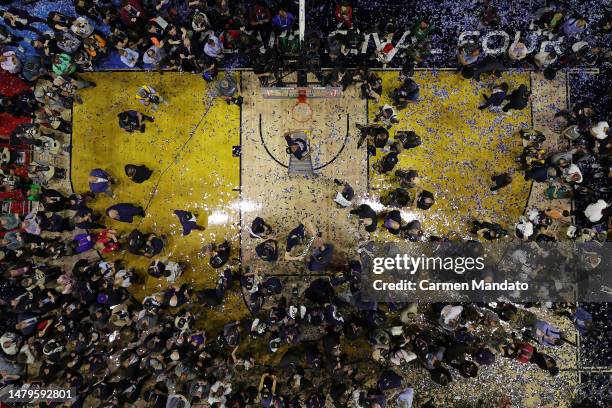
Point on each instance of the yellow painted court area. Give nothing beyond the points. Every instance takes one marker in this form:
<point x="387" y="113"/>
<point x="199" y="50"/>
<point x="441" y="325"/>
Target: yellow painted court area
<point x="189" y="147"/>
<point x="461" y="149"/>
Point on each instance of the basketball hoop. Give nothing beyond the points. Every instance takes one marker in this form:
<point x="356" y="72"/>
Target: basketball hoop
<point x="302" y="112"/>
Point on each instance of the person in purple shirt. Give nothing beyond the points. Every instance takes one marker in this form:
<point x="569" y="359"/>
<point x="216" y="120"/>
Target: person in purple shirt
<point x="282" y="21"/>
<point x="124" y="212"/>
<point x="100" y="182"/>
<point x="188" y="221"/>
<point x="82" y="243"/>
<point x="573" y="26"/>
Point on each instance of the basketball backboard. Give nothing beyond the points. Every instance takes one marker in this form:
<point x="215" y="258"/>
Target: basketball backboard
<point x="310" y="92"/>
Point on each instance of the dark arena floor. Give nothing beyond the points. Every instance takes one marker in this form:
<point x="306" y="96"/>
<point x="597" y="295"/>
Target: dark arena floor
<point x="305" y="203"/>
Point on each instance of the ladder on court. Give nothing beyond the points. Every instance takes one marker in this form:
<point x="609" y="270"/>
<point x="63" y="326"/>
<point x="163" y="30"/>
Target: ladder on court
<point x="302" y="167"/>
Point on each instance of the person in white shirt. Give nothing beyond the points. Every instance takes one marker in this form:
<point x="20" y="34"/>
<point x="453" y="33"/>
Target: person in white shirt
<point x="218" y="393"/>
<point x="600" y="130"/>
<point x="213" y="47"/>
<point x="517" y="51"/>
<point x="572" y="174"/>
<point x="594" y="211"/>
<point x="544" y="58"/>
<point x="82" y="27"/>
<point x="405" y="398"/>
<point x="10" y="62"/>
<point x="524" y="228"/>
<point x="128" y="56"/>
<point x="153" y="55"/>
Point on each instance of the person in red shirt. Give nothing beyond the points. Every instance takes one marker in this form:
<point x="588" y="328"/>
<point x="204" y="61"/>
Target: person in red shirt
<point x="107" y="241"/>
<point x="344" y="14"/>
<point x="132" y="13"/>
<point x="259" y="15"/>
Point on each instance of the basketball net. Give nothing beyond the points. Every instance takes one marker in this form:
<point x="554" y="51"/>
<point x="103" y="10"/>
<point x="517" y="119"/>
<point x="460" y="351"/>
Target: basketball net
<point x="302" y="112"/>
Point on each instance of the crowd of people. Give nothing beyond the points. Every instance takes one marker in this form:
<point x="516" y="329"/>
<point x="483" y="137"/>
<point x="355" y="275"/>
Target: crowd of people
<point x="68" y="316"/>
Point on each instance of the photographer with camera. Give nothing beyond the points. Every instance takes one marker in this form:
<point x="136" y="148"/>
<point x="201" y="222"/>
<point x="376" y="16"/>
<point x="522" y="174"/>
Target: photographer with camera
<point x="147" y="95"/>
<point x="131" y="121"/>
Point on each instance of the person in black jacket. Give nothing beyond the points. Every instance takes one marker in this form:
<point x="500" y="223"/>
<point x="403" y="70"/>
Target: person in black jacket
<point x="388" y="162"/>
<point x="518" y="99"/>
<point x="20" y="19"/>
<point x="219" y="254"/>
<point x="378" y="135"/>
<point x="424" y="200"/>
<point x="138" y="174"/>
<point x="367" y="217"/>
<point x="498" y="95"/>
<point x="501" y="181"/>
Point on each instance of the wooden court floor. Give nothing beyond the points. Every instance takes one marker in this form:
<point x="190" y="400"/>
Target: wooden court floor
<point x="190" y="145"/>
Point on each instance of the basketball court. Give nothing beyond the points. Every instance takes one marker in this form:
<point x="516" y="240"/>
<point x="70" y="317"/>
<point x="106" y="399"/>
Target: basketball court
<point x="229" y="164"/>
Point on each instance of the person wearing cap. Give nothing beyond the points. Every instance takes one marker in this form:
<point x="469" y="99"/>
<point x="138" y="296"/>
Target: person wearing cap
<point x="388" y="162"/>
<point x="398" y="197"/>
<point x="9" y="221"/>
<point x="412" y="231"/>
<point x="393" y="222"/>
<point x="484" y="356"/>
<point x="153" y="245"/>
<point x="407" y="178"/>
<point x="595" y="211"/>
<point x="406" y="140"/>
<point x="227" y="88"/>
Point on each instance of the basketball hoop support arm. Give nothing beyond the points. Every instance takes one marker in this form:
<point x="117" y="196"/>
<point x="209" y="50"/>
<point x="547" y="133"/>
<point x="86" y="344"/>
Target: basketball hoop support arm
<point x="302" y="21"/>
